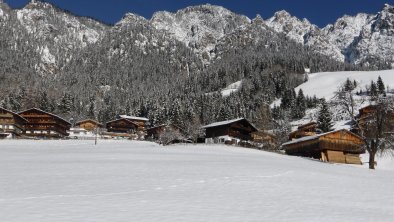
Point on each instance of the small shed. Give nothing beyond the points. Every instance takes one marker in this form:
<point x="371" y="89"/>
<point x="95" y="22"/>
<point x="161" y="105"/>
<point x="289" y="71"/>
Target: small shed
<point x="230" y="131"/>
<point x="88" y="124"/>
<point x="341" y="146"/>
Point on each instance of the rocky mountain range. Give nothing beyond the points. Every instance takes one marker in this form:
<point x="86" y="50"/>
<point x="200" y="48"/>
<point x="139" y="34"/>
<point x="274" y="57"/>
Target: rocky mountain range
<point x="57" y="34"/>
<point x="166" y="65"/>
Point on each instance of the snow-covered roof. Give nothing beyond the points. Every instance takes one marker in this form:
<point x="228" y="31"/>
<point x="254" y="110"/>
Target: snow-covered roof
<point x="134" y="118"/>
<point x="227" y="122"/>
<point x="307" y="138"/>
<point x="302" y="139"/>
<point x="51" y="114"/>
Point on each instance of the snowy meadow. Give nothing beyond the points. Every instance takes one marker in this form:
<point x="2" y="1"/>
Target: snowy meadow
<point x="141" y="181"/>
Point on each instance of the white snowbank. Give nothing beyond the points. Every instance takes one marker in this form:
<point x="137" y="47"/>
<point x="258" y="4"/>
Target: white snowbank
<point x="48" y="181"/>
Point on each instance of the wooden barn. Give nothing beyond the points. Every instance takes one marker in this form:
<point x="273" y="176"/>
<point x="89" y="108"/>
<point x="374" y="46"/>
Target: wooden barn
<point x="341" y="146"/>
<point x="11" y="123"/>
<point x="155" y="132"/>
<point x="88" y="124"/>
<point x="44" y="124"/>
<point x="122" y="126"/>
<point x="308" y="129"/>
<point x="231" y="131"/>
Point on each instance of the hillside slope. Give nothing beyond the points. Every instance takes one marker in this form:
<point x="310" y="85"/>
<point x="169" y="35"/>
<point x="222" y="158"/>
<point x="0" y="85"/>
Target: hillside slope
<point x="324" y="85"/>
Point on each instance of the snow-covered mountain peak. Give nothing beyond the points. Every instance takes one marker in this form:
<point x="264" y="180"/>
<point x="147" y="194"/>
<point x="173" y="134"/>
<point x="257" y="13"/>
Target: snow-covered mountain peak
<point x="346" y="30"/>
<point x="293" y="27"/>
<point x="3" y="10"/>
<point x="206" y="9"/>
<point x="35" y="4"/>
<point x="131" y="19"/>
<point x="57" y="32"/>
<point x="199" y="27"/>
<point x="281" y="14"/>
<point x="385" y="19"/>
<point x="388" y="7"/>
<point x="372" y="39"/>
<point x="258" y="18"/>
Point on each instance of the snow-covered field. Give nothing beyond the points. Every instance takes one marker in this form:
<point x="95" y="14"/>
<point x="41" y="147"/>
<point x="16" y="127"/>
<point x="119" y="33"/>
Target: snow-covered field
<point x="140" y="181"/>
<point x="325" y="84"/>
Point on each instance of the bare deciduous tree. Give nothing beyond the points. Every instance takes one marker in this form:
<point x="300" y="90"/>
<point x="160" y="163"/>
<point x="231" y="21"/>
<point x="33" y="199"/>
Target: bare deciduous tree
<point x="376" y="127"/>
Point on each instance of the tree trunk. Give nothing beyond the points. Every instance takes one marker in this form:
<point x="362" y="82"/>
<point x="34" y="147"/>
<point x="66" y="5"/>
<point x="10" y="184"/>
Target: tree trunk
<point x="372" y="153"/>
<point x="372" y="160"/>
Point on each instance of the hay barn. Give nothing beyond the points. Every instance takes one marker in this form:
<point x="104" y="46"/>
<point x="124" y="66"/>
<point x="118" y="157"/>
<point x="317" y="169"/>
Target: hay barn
<point x="341" y="146"/>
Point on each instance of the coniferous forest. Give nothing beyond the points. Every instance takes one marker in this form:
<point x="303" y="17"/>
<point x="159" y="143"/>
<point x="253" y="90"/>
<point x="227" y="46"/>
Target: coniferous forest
<point x="135" y="69"/>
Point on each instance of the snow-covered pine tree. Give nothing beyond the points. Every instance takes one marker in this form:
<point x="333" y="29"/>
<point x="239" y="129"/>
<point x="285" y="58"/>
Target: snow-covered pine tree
<point x="300" y="105"/>
<point x="44" y="103"/>
<point x="324" y="121"/>
<point x="373" y="90"/>
<point x="381" y="87"/>
<point x="348" y="85"/>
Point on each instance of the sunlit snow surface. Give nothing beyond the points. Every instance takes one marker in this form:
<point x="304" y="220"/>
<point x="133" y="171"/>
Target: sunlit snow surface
<point x="140" y="181"/>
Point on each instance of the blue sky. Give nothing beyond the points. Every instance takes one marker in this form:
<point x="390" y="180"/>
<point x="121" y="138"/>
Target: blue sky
<point x="319" y="12"/>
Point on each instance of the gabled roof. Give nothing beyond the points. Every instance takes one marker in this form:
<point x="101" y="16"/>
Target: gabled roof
<point x="127" y="120"/>
<point x="48" y="113"/>
<point x="227" y="122"/>
<point x="314" y="137"/>
<point x="306" y="125"/>
<point x="13" y="113"/>
<point x="88" y="120"/>
<point x="134" y="118"/>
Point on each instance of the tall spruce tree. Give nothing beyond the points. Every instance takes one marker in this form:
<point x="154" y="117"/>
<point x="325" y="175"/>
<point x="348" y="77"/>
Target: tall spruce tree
<point x="373" y="90"/>
<point x="324" y="121"/>
<point x="381" y="87"/>
<point x="300" y="106"/>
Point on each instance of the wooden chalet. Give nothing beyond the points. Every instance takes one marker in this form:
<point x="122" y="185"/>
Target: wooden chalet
<point x="44" y="124"/>
<point x="141" y="122"/>
<point x="88" y="124"/>
<point x="308" y="129"/>
<point x="341" y="146"/>
<point x="264" y="137"/>
<point x="122" y="126"/>
<point x="154" y="133"/>
<point x="11" y="123"/>
<point x="231" y="131"/>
